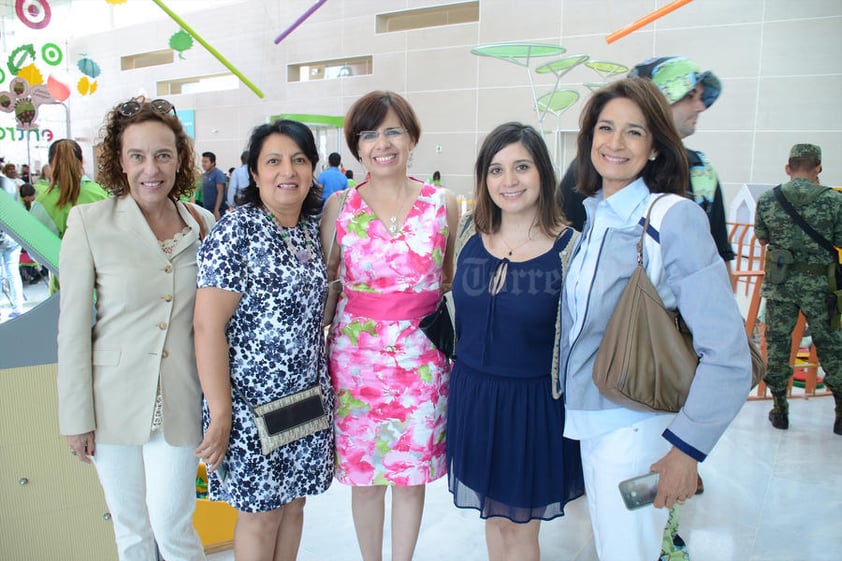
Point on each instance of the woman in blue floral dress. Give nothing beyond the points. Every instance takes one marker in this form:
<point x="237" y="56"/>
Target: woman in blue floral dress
<point x="258" y="323"/>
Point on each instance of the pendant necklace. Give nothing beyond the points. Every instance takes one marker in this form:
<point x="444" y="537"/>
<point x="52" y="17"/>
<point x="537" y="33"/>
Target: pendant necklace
<point x="513" y="249"/>
<point x="517" y="247"/>
<point x="302" y="255"/>
<point x="393" y="220"/>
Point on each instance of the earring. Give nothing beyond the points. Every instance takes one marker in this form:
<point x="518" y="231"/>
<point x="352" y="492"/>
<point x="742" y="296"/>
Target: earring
<point x="409" y="162"/>
<point x="653" y="157"/>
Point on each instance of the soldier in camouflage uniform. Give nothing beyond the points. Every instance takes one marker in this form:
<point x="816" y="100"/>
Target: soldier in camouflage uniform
<point x="797" y="277"/>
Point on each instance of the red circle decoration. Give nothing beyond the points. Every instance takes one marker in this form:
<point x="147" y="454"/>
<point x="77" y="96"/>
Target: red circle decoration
<point x="33" y="13"/>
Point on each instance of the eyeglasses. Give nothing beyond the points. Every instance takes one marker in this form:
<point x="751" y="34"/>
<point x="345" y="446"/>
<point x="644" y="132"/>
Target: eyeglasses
<point x="133" y="106"/>
<point x="390" y="134"/>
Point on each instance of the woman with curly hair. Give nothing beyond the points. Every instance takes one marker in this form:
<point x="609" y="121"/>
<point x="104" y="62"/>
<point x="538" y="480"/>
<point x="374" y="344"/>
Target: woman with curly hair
<point x="129" y="393"/>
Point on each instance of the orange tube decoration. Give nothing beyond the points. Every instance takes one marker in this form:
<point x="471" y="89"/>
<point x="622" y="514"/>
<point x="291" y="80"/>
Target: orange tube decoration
<point x="645" y="20"/>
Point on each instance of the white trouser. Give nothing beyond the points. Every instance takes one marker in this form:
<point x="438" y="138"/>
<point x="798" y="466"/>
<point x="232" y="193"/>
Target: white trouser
<point x="11" y="270"/>
<point x="151" y="494"/>
<point x="621" y="534"/>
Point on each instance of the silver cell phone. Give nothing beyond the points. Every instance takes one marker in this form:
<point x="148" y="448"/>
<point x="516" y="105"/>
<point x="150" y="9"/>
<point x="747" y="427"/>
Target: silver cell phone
<point x="639" y="491"/>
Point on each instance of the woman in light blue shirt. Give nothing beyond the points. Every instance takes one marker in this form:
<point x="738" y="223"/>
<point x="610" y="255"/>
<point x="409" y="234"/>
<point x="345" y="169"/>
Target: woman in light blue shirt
<point x="629" y="150"/>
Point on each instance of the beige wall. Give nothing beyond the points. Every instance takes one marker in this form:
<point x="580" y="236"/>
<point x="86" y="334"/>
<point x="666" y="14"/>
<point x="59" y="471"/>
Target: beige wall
<point x="779" y="62"/>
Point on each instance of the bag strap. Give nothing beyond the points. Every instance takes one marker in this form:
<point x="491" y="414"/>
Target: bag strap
<point x="646" y="222"/>
<point x="818" y="238"/>
<point x="333" y="239"/>
<point x="195" y="214"/>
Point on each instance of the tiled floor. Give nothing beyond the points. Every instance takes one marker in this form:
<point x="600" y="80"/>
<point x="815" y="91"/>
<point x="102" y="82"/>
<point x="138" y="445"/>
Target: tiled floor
<point x="769" y="496"/>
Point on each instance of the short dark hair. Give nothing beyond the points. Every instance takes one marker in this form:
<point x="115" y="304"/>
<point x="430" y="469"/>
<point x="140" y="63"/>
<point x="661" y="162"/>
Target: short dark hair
<point x="110" y="170"/>
<point x="349" y="173"/>
<point x="210" y="156"/>
<point x="803" y="164"/>
<point x="669" y="172"/>
<point x="27" y="190"/>
<point x="334" y="159"/>
<point x="368" y="112"/>
<point x="244" y="157"/>
<point x="303" y="137"/>
<point x="488" y="216"/>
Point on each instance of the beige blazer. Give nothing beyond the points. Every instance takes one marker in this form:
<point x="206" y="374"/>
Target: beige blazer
<point x="108" y="374"/>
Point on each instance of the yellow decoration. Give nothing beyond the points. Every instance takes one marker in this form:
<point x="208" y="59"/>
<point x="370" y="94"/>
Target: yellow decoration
<point x="86" y="86"/>
<point x="115" y="2"/>
<point x="32" y="75"/>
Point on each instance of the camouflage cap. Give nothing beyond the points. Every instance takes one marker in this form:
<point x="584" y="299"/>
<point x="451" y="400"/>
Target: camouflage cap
<point x="806" y="151"/>
<point x="676" y="75"/>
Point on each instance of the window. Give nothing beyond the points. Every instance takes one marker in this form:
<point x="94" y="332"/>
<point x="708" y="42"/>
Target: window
<point x="142" y="60"/>
<point x="329" y="69"/>
<point x="198" y="84"/>
<point x="449" y="14"/>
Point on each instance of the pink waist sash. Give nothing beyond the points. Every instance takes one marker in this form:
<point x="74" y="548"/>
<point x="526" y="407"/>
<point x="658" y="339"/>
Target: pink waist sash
<point x="390" y="307"/>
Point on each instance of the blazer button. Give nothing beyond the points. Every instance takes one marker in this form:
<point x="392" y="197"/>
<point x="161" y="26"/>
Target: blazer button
<point x="162" y="325"/>
<point x="165" y="354"/>
<point x="168" y="269"/>
<point x="168" y="298"/>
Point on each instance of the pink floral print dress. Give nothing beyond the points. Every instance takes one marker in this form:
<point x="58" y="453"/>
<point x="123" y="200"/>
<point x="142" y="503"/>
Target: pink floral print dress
<point x="390" y="381"/>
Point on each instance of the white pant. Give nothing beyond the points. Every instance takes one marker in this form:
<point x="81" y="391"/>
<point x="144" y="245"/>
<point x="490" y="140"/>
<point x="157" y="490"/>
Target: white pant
<point x="151" y="494"/>
<point x="621" y="534"/>
<point x="10" y="269"/>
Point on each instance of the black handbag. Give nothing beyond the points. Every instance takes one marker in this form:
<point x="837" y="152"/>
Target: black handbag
<point x="438" y="327"/>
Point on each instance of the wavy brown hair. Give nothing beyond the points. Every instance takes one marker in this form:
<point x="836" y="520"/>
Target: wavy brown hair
<point x="65" y="157"/>
<point x="110" y="171"/>
<point x="669" y="172"/>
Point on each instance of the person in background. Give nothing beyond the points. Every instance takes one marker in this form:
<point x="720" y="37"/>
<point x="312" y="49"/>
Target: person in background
<point x="332" y="179"/>
<point x="349" y="174"/>
<point x="394" y="239"/>
<point x="213" y="185"/>
<point x="796" y="277"/>
<point x="28" y="194"/>
<point x="30" y="271"/>
<point x="690" y="92"/>
<point x="506" y="454"/>
<point x="259" y="337"/>
<point x="24" y="173"/>
<point x="239" y="181"/>
<point x="69" y="186"/>
<point x="129" y="394"/>
<point x="43" y="181"/>
<point x="628" y="151"/>
<point x="10" y="260"/>
<point x="11" y="173"/>
<point x="436" y="179"/>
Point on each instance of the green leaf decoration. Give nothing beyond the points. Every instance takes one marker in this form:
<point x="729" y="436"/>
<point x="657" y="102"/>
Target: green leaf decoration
<point x="181" y="41"/>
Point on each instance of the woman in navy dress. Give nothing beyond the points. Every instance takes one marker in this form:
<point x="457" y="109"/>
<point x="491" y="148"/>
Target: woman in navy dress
<point x="506" y="453"/>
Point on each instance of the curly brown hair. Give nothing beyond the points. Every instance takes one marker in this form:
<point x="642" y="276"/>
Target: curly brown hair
<point x="110" y="170"/>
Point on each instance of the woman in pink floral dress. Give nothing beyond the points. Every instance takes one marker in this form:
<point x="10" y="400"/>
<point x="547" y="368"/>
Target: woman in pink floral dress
<point x="393" y="242"/>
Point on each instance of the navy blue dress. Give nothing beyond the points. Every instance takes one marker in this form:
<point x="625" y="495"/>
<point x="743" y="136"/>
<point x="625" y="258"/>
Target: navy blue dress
<point x="506" y="452"/>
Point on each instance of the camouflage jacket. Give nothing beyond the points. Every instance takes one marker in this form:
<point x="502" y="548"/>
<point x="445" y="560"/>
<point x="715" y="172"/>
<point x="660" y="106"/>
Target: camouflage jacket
<point x="821" y="208"/>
